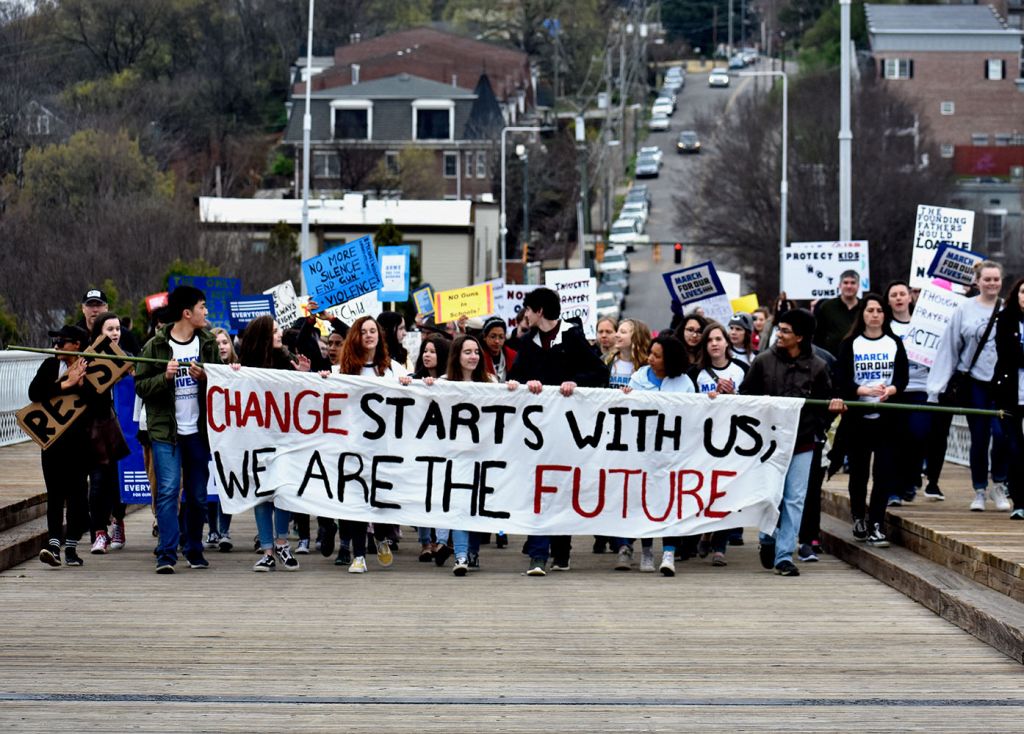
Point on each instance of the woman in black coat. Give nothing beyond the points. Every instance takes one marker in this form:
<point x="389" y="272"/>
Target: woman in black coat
<point x="1008" y="387"/>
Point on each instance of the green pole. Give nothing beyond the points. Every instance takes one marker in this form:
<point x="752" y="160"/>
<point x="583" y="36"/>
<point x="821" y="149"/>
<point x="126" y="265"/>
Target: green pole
<point x="91" y="355"/>
<point x="856" y="404"/>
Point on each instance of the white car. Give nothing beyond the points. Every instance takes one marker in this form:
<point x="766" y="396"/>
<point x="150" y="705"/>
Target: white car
<point x="608" y="306"/>
<point x="635" y="210"/>
<point x="624" y="231"/>
<point x="614" y="262"/>
<point x="651" y="150"/>
<point x="662" y="106"/>
<point x="718" y="78"/>
<point x="659" y="122"/>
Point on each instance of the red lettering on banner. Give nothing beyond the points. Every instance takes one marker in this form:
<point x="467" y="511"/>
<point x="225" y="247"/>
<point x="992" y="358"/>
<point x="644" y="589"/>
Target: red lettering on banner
<point x="643" y="501"/>
<point x="252" y="410"/>
<point x="680" y="481"/>
<point x="539" y="488"/>
<point x="283" y="417"/>
<point x="328" y="413"/>
<point x="224" y="409"/>
<point x="627" y="474"/>
<point x="316" y="423"/>
<point x="576" y="495"/>
<point x="715" y="494"/>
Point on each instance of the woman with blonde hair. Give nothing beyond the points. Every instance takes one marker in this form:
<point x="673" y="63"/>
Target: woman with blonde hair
<point x="630" y="353"/>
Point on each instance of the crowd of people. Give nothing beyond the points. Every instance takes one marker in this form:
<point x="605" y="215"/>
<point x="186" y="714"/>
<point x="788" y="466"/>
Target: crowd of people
<point x="842" y="350"/>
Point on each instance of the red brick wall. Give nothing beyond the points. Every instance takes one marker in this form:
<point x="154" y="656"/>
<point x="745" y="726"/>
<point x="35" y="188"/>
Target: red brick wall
<point x="981" y="105"/>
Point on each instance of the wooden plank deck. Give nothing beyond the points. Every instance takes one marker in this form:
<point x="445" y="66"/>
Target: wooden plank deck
<point x="413" y="648"/>
<point x="22" y="492"/>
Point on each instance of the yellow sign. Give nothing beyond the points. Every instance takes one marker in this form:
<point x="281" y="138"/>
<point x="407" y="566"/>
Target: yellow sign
<point x="474" y="300"/>
<point x="744" y="304"/>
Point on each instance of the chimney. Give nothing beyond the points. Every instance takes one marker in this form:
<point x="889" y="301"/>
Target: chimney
<point x="355" y="74"/>
<point x="455" y="80"/>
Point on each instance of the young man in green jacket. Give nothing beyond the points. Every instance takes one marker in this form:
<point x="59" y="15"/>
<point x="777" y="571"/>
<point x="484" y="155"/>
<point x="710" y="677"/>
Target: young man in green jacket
<point x="175" y="400"/>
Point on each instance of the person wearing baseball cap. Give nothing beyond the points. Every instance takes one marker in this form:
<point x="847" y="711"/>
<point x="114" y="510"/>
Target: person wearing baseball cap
<point x="94" y="302"/>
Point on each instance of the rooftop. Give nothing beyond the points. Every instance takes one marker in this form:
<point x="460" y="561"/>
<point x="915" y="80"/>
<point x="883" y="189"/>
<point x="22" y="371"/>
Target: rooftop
<point x="400" y="86"/>
<point x="933" y="19"/>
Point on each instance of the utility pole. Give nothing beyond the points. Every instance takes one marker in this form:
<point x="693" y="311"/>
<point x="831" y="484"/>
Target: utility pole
<point x="608" y="143"/>
<point x="623" y="33"/>
<point x="728" y="51"/>
<point x="845" y="134"/>
<point x="307" y="126"/>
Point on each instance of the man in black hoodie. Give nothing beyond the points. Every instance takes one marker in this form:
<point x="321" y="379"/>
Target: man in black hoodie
<point x="553" y="352"/>
<point x="791" y="369"/>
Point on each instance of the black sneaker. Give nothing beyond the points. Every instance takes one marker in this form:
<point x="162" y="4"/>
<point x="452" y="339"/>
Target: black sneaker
<point x="344" y="556"/>
<point x="860" y="529"/>
<point x="50" y="556"/>
<point x="807" y="554"/>
<point x="288" y="561"/>
<point x="536" y="567"/>
<point x="877" y="538"/>
<point x="766" y="552"/>
<point x="71" y="557"/>
<point x="441" y="554"/>
<point x="787" y="568"/>
<point x="264" y="564"/>
<point x="474" y="562"/>
<point x="198" y="561"/>
<point x="225" y="545"/>
<point x="501" y="541"/>
<point x="165" y="565"/>
<point x="325" y="537"/>
<point x="933" y="492"/>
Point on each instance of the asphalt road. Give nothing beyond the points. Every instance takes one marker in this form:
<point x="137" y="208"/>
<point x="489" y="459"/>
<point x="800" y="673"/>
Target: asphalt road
<point x="699" y="108"/>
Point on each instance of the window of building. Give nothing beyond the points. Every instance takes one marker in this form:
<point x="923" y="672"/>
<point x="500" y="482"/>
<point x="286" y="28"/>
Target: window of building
<point x="468" y="155"/>
<point x="326" y="165"/>
<point x="481" y="164"/>
<point x="995" y="219"/>
<point x="432" y="125"/>
<point x="391" y="162"/>
<point x="351" y="124"/>
<point x="1003" y="139"/>
<point x="947" y="150"/>
<point x="451" y="164"/>
<point x="995" y="69"/>
<point x="947" y="108"/>
<point x="899" y="69"/>
<point x="979" y="138"/>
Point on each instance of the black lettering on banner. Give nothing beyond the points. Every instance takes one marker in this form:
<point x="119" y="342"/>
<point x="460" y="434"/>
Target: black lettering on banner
<point x="470" y="420"/>
<point x="344" y="477"/>
<point x="321" y="473"/>
<point x="486" y="489"/>
<point x="450" y="484"/>
<point x="432" y="418"/>
<point x="430" y="461"/>
<point x="581" y="440"/>
<point x="500" y="412"/>
<point x="377" y="483"/>
<point x="400" y="404"/>
<point x="364" y="403"/>
<point x="229" y="483"/>
<point x="616" y="443"/>
<point x="662" y="433"/>
<point x="538" y="438"/>
<point x="736" y="422"/>
<point x="258" y="468"/>
<point x="641" y="429"/>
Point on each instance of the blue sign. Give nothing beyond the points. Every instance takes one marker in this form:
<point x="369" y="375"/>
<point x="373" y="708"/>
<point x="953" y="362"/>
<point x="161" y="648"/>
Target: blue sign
<point x="694" y="283"/>
<point x="954" y="264"/>
<point x="394" y="273"/>
<point x="218" y="292"/>
<point x="339" y="275"/>
<point x="131" y="470"/>
<point x="424" y="297"/>
<point x="247" y="308"/>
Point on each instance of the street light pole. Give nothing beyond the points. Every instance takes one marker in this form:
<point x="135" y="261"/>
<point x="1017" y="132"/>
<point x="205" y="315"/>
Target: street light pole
<point x="845" y="134"/>
<point x="307" y="127"/>
<point x="524" y="156"/>
<point x="784" y="179"/>
<point x="503" y="222"/>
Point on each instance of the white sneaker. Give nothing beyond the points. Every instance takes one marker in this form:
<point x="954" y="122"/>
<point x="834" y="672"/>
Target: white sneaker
<point x="668" y="563"/>
<point x="998" y="495"/>
<point x="461" y="567"/>
<point x="99" y="547"/>
<point x="647" y="560"/>
<point x="358" y="565"/>
<point x="978" y="503"/>
<point x="624" y="559"/>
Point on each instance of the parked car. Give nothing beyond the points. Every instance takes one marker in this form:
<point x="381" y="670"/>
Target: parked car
<point x="639" y="192"/>
<point x="659" y="122"/>
<point x="652" y="150"/>
<point x="620" y="280"/>
<point x="624" y="231"/>
<point x="718" y="78"/>
<point x="635" y="210"/>
<point x="608" y="306"/>
<point x="647" y="166"/>
<point x="737" y="62"/>
<point x="614" y="262"/>
<point x="688" y="142"/>
<point x="669" y="94"/>
<point x="620" y="296"/>
<point x="663" y="106"/>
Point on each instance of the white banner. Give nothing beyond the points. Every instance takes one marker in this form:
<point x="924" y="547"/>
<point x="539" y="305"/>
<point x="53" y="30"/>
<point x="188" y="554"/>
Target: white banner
<point x="716" y="308"/>
<point x="577" y="292"/>
<point x="933" y="226"/>
<point x="813" y="269"/>
<point x="480" y="457"/>
<point x="932" y="312"/>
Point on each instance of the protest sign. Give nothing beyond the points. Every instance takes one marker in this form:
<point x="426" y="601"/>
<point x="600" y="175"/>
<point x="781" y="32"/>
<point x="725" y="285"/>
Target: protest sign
<point x="812" y="270"/>
<point x="133" y="481"/>
<point x="474" y="300"/>
<point x="512" y="303"/>
<point x="286" y="304"/>
<point x="954" y="264"/>
<point x="744" y="304"/>
<point x="498" y="288"/>
<point x="694" y="283"/>
<point x="155" y="301"/>
<point x="480" y="457"/>
<point x="731" y="283"/>
<point x="247" y="308"/>
<point x="933" y="226"/>
<point x="342" y="273"/>
<point x="716" y="308"/>
<point x="218" y="292"/>
<point x="932" y="312"/>
<point x="366" y="305"/>
<point x="45" y="422"/>
<point x="394" y="273"/>
<point x="424" y="298"/>
<point x="577" y="293"/>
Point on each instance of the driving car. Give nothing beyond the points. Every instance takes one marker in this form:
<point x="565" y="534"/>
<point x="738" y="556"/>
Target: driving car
<point x="608" y="306"/>
<point x="652" y="150"/>
<point x="737" y="62"/>
<point x="718" y="78"/>
<point x="624" y="231"/>
<point x="662" y="106"/>
<point x="688" y="142"/>
<point x="614" y="262"/>
<point x="647" y="166"/>
<point x="659" y="122"/>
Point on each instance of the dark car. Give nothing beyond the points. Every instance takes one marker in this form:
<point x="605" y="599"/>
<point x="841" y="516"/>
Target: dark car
<point x="617" y="280"/>
<point x="639" y="192"/>
<point x="688" y="142"/>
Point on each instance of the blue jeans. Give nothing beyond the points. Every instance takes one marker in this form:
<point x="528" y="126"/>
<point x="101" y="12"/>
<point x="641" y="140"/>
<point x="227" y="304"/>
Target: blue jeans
<point x="794" y="492"/>
<point x="983" y="430"/>
<point x="424" y="535"/>
<point x="911" y="457"/>
<point x="268" y="518"/>
<point x="180" y="467"/>
<point x="463" y="541"/>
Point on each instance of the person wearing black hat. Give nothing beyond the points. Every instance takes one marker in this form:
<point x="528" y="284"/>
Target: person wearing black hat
<point x="791" y="369"/>
<point x="66" y="461"/>
<point x="498" y="356"/>
<point x="94" y="302"/>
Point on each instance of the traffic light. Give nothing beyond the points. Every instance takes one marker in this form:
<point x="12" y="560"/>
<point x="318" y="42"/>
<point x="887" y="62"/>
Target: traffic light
<point x="678" y="250"/>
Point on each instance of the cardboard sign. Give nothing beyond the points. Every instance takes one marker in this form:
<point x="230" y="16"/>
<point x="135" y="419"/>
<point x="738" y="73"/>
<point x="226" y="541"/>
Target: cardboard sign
<point x="812" y="270"/>
<point x="394" y="273"/>
<point x="954" y="264"/>
<point x="218" y="292"/>
<point x="286" y="305"/>
<point x="932" y="312"/>
<point x="424" y="298"/>
<point x="474" y="300"/>
<point x="694" y="283"/>
<point x="577" y="292"/>
<point x="247" y="308"/>
<point x="342" y="273"/>
<point x="45" y="422"/>
<point x="935" y="225"/>
<point x="348" y="312"/>
<point x="512" y="303"/>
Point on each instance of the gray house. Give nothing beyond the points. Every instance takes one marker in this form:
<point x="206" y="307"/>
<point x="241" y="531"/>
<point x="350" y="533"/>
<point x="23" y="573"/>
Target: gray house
<point x="354" y="127"/>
